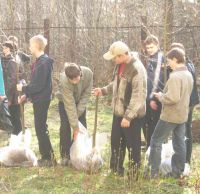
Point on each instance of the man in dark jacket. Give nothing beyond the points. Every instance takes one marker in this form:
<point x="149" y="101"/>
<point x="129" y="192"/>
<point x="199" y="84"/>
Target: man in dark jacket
<point x="194" y="100"/>
<point x="11" y="73"/>
<point x="39" y="90"/>
<point x="155" y="83"/>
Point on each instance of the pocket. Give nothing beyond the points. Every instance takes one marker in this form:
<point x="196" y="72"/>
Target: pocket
<point x="122" y="88"/>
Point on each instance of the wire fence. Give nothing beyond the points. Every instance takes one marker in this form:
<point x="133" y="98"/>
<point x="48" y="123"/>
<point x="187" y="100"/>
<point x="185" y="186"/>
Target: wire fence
<point x="88" y="44"/>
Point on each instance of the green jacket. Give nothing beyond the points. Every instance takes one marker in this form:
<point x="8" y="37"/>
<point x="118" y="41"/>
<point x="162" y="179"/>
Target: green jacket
<point x="129" y="91"/>
<point x="75" y="97"/>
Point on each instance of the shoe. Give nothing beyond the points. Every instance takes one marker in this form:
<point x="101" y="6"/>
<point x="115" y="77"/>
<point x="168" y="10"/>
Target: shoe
<point x="133" y="175"/>
<point x="65" y="162"/>
<point x="119" y="172"/>
<point x="154" y="176"/>
<point x="146" y="174"/>
<point x="47" y="163"/>
<point x="172" y="175"/>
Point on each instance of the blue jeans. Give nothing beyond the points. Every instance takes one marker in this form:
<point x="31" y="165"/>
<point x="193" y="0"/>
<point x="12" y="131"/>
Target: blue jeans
<point x="160" y="135"/>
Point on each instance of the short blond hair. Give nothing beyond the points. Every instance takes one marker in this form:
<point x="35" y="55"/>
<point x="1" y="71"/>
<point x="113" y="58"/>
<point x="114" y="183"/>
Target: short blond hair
<point x="40" y="40"/>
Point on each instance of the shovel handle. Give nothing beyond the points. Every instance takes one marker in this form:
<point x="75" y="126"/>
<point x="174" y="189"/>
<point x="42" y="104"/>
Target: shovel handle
<point x="22" y="115"/>
<point x="95" y="121"/>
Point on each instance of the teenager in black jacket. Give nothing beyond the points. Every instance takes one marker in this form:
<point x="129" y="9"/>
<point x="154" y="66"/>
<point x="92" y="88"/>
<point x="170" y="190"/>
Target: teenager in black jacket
<point x="39" y="90"/>
<point x="155" y="83"/>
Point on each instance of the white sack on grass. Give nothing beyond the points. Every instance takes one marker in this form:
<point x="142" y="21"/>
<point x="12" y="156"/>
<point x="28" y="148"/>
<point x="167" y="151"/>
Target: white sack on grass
<point x="166" y="156"/>
<point x="83" y="157"/>
<point x="18" y="152"/>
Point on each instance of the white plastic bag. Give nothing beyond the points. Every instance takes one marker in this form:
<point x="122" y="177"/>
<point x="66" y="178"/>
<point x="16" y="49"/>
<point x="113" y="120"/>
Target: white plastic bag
<point x="18" y="152"/>
<point x="166" y="156"/>
<point x="83" y="157"/>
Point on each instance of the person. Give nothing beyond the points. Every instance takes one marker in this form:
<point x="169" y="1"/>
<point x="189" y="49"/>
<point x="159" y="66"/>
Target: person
<point x="39" y="90"/>
<point x="194" y="100"/>
<point x="129" y="89"/>
<point x="155" y="83"/>
<point x="74" y="92"/>
<point x="175" y="107"/>
<point x="21" y="58"/>
<point x="10" y="74"/>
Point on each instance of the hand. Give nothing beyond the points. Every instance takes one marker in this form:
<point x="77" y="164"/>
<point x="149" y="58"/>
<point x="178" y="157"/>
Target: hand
<point x="9" y="103"/>
<point x="97" y="92"/>
<point x="158" y="95"/>
<point x="19" y="87"/>
<point x="153" y="105"/>
<point x="2" y="98"/>
<point x="22" y="99"/>
<point x="125" y="123"/>
<point x="75" y="135"/>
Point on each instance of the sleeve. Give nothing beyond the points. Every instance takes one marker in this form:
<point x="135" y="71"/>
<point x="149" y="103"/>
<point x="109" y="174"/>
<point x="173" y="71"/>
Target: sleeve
<point x="24" y="57"/>
<point x="139" y="94"/>
<point x="2" y="87"/>
<point x="38" y="81"/>
<point x="107" y="89"/>
<point x="12" y="80"/>
<point x="173" y="94"/>
<point x="70" y="105"/>
<point x="85" y="97"/>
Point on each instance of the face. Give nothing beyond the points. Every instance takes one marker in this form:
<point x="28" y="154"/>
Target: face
<point x="152" y="49"/>
<point x="75" y="80"/>
<point x="6" y="50"/>
<point x="120" y="59"/>
<point x="172" y="63"/>
<point x="34" y="47"/>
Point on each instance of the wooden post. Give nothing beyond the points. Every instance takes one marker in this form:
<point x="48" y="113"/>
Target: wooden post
<point x="28" y="20"/>
<point x="143" y="37"/>
<point x="47" y="34"/>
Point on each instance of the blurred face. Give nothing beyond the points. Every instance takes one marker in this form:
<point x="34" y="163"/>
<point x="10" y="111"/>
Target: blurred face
<point x="34" y="47"/>
<point x="75" y="80"/>
<point x="152" y="49"/>
<point x="6" y="50"/>
<point x="172" y="63"/>
<point x="120" y="59"/>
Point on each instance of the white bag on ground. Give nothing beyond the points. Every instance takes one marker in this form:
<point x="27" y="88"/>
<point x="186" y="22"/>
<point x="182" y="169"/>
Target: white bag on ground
<point x="18" y="153"/>
<point x="166" y="156"/>
<point x="82" y="155"/>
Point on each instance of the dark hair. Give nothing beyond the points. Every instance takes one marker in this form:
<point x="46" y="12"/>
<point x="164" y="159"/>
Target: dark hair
<point x="177" y="45"/>
<point x="151" y="39"/>
<point x="13" y="39"/>
<point x="178" y="54"/>
<point x="72" y="70"/>
<point x="9" y="45"/>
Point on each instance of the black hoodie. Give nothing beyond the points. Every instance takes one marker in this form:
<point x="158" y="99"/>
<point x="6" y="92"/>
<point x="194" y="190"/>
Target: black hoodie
<point x="40" y="86"/>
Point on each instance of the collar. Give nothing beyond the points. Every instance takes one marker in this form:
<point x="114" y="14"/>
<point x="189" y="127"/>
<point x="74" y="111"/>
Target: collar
<point x="40" y="57"/>
<point x="184" y="68"/>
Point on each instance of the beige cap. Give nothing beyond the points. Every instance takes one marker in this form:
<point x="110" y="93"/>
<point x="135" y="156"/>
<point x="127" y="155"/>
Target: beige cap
<point x="117" y="48"/>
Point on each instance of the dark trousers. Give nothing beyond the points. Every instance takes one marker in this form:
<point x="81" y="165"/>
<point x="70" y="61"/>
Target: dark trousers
<point x="40" y="118"/>
<point x="15" y="118"/>
<point x="188" y="135"/>
<point x="150" y="121"/>
<point x="122" y="138"/>
<point x="65" y="131"/>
